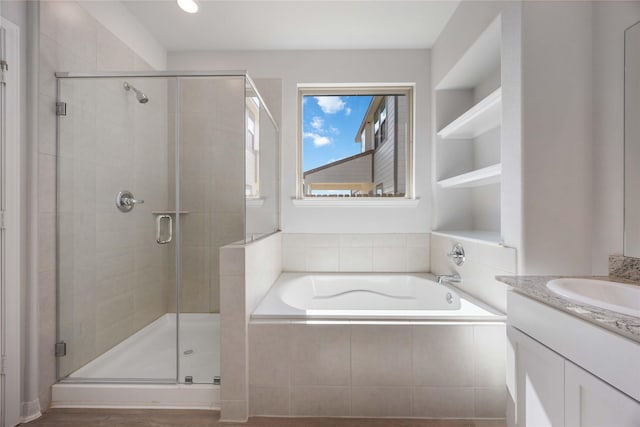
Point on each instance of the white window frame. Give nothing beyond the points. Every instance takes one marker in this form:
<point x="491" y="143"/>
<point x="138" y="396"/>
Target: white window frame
<point x="345" y="89"/>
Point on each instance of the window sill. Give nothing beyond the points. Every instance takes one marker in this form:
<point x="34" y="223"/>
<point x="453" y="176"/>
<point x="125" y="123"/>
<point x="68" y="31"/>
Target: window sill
<point x="351" y="202"/>
<point x="254" y="202"/>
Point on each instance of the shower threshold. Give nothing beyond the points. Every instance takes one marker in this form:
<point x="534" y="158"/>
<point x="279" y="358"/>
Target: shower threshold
<point x="139" y="371"/>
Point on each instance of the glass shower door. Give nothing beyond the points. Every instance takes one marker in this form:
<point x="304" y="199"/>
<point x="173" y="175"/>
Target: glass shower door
<point x="153" y="176"/>
<point x="211" y="123"/>
<point x="116" y="249"/>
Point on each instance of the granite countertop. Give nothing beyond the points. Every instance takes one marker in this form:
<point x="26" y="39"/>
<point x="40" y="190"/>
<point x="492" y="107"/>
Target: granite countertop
<point x="535" y="287"/>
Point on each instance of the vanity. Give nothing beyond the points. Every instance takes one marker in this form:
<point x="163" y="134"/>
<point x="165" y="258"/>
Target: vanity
<point x="569" y="363"/>
<point x="573" y="352"/>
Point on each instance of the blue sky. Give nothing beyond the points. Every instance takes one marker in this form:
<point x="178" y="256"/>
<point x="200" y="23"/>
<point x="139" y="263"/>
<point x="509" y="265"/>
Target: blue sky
<point x="329" y="126"/>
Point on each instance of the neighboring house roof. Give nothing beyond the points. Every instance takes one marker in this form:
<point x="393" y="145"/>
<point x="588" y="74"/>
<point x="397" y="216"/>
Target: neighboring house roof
<point x="337" y="162"/>
<point x="354" y="173"/>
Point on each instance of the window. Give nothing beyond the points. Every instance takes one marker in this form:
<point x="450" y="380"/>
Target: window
<point x="355" y="141"/>
<point x="380" y="126"/>
<point x="252" y="149"/>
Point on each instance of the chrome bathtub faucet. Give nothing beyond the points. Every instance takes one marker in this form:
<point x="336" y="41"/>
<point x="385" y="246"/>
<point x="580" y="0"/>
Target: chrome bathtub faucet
<point x="450" y="278"/>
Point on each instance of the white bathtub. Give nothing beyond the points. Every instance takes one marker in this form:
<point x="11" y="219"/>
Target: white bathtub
<point x="377" y="296"/>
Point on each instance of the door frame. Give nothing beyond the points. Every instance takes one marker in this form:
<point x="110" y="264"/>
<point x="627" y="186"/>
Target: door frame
<point x="10" y="278"/>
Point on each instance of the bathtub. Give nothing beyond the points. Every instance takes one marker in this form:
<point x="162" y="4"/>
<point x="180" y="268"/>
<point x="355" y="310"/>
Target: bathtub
<point x="369" y="296"/>
<point x="375" y="345"/>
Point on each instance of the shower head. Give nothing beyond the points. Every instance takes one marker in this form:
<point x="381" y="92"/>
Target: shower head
<point x="142" y="98"/>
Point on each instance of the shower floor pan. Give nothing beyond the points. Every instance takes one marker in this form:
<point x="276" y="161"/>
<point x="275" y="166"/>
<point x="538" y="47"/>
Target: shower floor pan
<point x="146" y="357"/>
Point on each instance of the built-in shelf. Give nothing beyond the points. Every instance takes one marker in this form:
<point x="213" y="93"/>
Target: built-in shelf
<point x="481" y="236"/>
<point x="168" y="212"/>
<point x="485" y="176"/>
<point x="482" y="57"/>
<point x="480" y="118"/>
<point x="469" y="113"/>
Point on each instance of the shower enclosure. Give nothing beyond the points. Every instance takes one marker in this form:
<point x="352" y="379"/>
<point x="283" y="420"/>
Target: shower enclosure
<point x="155" y="173"/>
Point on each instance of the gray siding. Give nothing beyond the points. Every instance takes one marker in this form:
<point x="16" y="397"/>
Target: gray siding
<point x="384" y="158"/>
<point x="356" y="170"/>
<point x="402" y="131"/>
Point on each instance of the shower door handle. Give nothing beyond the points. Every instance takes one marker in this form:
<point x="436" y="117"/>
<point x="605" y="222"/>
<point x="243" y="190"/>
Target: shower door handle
<point x="169" y="221"/>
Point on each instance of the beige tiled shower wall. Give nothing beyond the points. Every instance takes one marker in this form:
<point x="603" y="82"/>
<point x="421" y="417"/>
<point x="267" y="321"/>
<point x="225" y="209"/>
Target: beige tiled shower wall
<point x="211" y="123"/>
<point x="112" y="277"/>
<point x="112" y="273"/>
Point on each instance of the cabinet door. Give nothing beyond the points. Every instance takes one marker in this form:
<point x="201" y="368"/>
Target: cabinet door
<point x="590" y="402"/>
<point x="538" y="374"/>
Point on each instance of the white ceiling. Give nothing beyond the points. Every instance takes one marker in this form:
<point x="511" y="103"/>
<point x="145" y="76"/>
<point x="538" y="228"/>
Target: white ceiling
<point x="295" y="24"/>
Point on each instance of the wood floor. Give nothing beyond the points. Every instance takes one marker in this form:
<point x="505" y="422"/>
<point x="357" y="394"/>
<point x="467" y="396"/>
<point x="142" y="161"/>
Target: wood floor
<point x="181" y="418"/>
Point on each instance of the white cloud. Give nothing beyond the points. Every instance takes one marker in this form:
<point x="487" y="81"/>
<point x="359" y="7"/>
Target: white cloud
<point x="330" y="104"/>
<point x="334" y="129"/>
<point x="318" y="140"/>
<point x="347" y="111"/>
<point x="317" y="123"/>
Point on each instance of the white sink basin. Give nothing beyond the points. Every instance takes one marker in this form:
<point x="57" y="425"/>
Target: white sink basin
<point x="618" y="297"/>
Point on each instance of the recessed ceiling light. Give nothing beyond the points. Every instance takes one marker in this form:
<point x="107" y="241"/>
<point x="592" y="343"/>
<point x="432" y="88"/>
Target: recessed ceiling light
<point x="189" y="6"/>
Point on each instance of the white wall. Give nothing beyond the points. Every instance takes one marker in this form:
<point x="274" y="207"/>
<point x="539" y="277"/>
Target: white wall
<point x="610" y="19"/>
<point x="17" y="13"/>
<point x="469" y="20"/>
<point x="17" y="351"/>
<point x="556" y="137"/>
<point x="369" y="66"/>
<point x="584" y="134"/>
<point x="547" y="158"/>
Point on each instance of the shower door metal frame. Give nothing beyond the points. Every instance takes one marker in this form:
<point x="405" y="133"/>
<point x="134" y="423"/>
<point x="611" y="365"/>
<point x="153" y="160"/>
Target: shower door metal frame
<point x="178" y="240"/>
<point x="177" y="75"/>
<point x="169" y="74"/>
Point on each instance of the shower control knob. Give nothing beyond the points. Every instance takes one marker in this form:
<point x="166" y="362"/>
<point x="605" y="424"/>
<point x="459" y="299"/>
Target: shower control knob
<point x="125" y="201"/>
<point x="457" y="254"/>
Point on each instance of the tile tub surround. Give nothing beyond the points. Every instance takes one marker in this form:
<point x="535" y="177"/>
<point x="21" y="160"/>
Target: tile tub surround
<point x="625" y="267"/>
<point x="484" y="261"/>
<point x="246" y="274"/>
<point x="393" y="252"/>
<point x="536" y="288"/>
<point x="377" y="370"/>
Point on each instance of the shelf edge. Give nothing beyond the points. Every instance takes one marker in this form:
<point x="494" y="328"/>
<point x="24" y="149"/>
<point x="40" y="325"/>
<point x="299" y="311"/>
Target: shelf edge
<point x="468" y="179"/>
<point x="490" y="101"/>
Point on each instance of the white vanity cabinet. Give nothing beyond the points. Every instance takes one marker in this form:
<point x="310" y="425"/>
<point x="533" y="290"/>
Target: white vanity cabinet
<point x="563" y="371"/>
<point x="539" y="382"/>
<point x="591" y="402"/>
